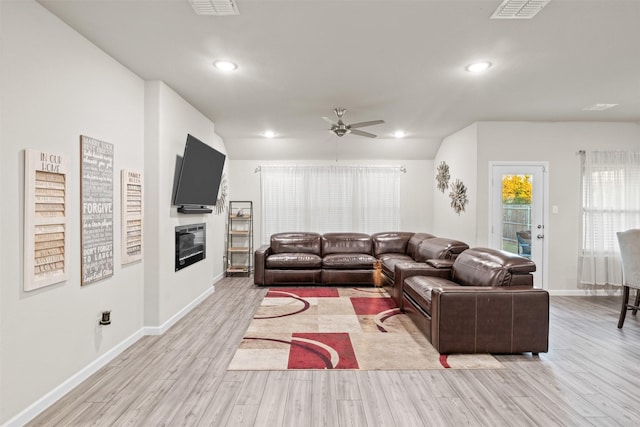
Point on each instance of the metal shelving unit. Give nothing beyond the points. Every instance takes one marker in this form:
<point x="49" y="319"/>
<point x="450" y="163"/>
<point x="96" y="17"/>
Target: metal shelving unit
<point x="239" y="254"/>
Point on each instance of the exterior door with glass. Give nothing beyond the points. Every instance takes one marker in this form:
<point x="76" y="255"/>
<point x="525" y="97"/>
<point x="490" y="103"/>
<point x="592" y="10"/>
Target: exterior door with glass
<point x="518" y="200"/>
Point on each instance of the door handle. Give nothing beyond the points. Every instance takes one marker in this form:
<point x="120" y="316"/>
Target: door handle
<point x="540" y="236"/>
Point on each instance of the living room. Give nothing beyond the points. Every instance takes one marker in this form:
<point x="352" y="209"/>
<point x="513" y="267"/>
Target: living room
<point x="57" y="85"/>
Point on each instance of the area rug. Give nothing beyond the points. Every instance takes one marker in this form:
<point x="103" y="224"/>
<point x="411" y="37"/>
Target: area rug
<point x="340" y="328"/>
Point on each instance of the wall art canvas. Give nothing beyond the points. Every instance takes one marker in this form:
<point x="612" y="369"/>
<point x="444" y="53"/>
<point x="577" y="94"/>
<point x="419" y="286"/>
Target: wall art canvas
<point x="132" y="215"/>
<point x="46" y="222"/>
<point x="97" y="209"/>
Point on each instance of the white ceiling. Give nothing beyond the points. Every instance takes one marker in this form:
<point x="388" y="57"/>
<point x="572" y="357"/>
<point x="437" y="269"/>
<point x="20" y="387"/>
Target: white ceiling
<point x="398" y="60"/>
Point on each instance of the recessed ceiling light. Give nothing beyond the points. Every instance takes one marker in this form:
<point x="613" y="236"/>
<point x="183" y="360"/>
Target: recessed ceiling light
<point x="269" y="134"/>
<point x="478" y="67"/>
<point x="224" y="65"/>
<point x="399" y="134"/>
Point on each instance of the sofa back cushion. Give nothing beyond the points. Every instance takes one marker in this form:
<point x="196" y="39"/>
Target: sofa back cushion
<point x="491" y="267"/>
<point x="439" y="248"/>
<point x="346" y="243"/>
<point x="391" y="242"/>
<point x="296" y="243"/>
<point x="414" y="242"/>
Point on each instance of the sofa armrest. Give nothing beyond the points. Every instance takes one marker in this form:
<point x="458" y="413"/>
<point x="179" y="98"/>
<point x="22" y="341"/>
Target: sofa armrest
<point x="440" y="263"/>
<point x="405" y="270"/>
<point x="474" y="319"/>
<point x="259" y="262"/>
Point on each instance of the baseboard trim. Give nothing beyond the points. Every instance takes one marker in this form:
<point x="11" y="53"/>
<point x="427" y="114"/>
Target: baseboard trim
<point x="58" y="392"/>
<point x="159" y="330"/>
<point x="54" y="395"/>
<point x="584" y="293"/>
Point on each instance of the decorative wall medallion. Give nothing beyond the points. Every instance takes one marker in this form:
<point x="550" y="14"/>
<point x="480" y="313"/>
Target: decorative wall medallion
<point x="221" y="202"/>
<point x="458" y="195"/>
<point x="443" y="176"/>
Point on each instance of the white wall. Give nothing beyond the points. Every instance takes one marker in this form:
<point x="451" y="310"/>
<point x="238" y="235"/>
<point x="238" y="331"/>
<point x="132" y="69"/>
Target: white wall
<point x="470" y="150"/>
<point x="415" y="198"/>
<point x="55" y="87"/>
<point x="169" y="119"/>
<point x="557" y="143"/>
<point x="459" y="151"/>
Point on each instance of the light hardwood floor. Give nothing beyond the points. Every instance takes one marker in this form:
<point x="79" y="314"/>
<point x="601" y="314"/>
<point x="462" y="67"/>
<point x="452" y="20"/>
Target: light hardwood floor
<point x="590" y="376"/>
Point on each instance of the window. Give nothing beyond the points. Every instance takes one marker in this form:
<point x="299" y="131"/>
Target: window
<point x="329" y="199"/>
<point x="610" y="203"/>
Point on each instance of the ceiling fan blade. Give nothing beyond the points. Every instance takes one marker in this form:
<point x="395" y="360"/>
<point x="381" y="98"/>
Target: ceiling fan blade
<point x="363" y="124"/>
<point x="362" y="133"/>
<point x="328" y="120"/>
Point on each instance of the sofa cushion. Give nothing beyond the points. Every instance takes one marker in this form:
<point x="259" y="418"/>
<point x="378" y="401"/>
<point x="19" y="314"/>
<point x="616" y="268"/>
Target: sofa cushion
<point x="439" y="248"/>
<point x="296" y="242"/>
<point x="489" y="267"/>
<point x="389" y="262"/>
<point x="294" y="260"/>
<point x="414" y="242"/>
<point x="348" y="261"/>
<point x="419" y="289"/>
<point x="390" y="242"/>
<point x="346" y="243"/>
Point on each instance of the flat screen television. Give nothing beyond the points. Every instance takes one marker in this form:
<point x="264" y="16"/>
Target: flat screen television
<point x="199" y="178"/>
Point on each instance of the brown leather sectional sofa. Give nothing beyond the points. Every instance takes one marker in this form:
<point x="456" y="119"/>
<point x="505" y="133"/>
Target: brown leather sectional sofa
<point x="483" y="302"/>
<point x="476" y="300"/>
<point x="344" y="258"/>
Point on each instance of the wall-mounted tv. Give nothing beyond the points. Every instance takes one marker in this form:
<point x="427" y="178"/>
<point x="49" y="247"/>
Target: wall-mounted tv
<point x="199" y="177"/>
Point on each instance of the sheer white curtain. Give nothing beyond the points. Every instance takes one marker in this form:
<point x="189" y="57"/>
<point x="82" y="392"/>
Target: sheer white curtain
<point x="610" y="203"/>
<point x="329" y="199"/>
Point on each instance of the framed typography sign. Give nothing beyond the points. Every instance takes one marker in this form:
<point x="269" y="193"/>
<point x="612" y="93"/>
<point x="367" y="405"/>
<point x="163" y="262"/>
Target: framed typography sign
<point x="46" y="225"/>
<point x="97" y="209"/>
<point x="132" y="214"/>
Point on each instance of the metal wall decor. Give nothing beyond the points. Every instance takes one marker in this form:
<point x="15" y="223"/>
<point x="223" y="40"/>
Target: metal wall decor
<point x="443" y="176"/>
<point x="221" y="202"/>
<point x="458" y="195"/>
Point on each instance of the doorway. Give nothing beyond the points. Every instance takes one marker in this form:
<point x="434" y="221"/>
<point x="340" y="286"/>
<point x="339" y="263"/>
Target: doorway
<point x="517" y="211"/>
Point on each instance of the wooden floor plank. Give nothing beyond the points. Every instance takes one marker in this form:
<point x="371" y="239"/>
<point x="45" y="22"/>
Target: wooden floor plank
<point x="298" y="403"/>
<point x="274" y="401"/>
<point x="588" y="377"/>
<point x="324" y="405"/>
<point x="376" y="408"/>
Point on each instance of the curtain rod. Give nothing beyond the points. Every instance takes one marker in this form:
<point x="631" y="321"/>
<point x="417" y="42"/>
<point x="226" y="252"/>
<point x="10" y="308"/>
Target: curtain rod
<point x="402" y="168"/>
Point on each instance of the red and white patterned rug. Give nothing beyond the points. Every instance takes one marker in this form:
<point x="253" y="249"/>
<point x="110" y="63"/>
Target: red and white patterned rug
<point x="340" y="328"/>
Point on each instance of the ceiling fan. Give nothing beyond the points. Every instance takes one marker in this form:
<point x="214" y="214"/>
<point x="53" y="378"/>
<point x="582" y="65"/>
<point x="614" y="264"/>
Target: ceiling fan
<point x="341" y="129"/>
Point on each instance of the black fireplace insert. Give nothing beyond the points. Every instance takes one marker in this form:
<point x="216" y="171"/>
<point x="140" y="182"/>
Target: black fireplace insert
<point x="190" y="244"/>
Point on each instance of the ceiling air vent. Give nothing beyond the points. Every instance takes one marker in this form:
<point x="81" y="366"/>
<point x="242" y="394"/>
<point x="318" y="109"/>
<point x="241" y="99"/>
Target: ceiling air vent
<point x="215" y="7"/>
<point x="519" y="9"/>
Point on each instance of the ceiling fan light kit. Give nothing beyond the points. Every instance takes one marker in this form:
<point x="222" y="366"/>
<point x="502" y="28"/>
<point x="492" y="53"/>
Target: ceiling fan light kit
<point x="341" y="129"/>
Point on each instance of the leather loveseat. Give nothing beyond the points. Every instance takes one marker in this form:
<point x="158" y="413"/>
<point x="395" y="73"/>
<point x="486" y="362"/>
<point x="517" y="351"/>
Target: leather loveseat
<point x="482" y="302"/>
<point x="338" y="258"/>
